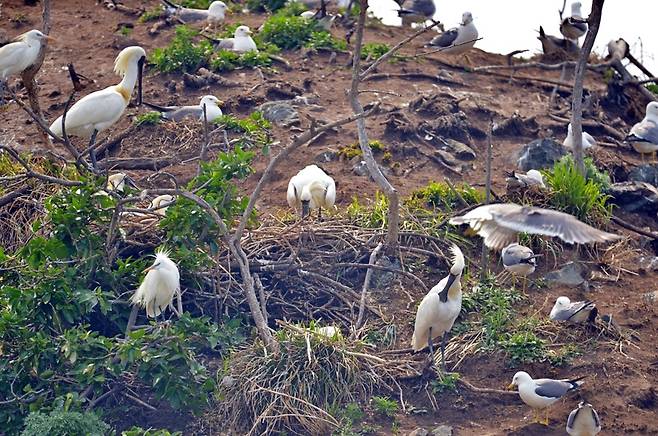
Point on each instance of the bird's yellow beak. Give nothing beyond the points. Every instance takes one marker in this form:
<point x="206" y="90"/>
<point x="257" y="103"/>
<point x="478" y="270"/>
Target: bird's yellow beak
<point x="511" y="387"/>
<point x="50" y="38"/>
<point x="220" y="103"/>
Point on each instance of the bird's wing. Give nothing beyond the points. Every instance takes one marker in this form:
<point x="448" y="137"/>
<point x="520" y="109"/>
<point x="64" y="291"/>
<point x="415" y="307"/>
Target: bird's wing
<point x="446" y="39"/>
<point x="225" y="44"/>
<point x="572" y="417"/>
<point x="184" y="111"/>
<point x="595" y="416"/>
<point x="424" y="7"/>
<point x="645" y="130"/>
<point x="550" y="388"/>
<point x="160" y="108"/>
<point x="588" y="139"/>
<point x="11" y="54"/>
<point x="291" y="195"/>
<point x="97" y="107"/>
<point x="192" y="15"/>
<point x="330" y="196"/>
<point x="551" y="223"/>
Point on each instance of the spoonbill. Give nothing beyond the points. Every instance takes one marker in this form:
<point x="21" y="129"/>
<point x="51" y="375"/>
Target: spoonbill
<point x="19" y="55"/>
<point x="160" y="204"/>
<point x="311" y="189"/>
<point x="157" y="290"/>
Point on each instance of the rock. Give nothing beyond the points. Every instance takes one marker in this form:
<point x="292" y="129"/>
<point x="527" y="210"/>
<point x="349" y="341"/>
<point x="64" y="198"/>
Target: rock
<point x="644" y="173"/>
<point x="280" y="113"/>
<point x="540" y="154"/>
<point x="360" y="168"/>
<point x="650" y="297"/>
<point x="459" y="149"/>
<point x="635" y="196"/>
<point x="446" y="157"/>
<point x="326" y="156"/>
<point x="570" y="275"/>
<point x="419" y="432"/>
<point x="442" y="430"/>
<point x="648" y="264"/>
<point x="516" y="126"/>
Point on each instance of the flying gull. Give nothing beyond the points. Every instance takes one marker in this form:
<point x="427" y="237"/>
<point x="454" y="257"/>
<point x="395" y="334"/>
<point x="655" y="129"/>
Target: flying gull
<point x="419" y="11"/>
<point x="178" y="113"/>
<point x="499" y="224"/>
<point x="459" y="39"/>
<point x="214" y="15"/>
<point x="644" y="135"/>
<point x="588" y="140"/>
<point x="541" y="393"/>
<point x="574" y="27"/>
<point x="579" y="311"/>
<point x="583" y="421"/>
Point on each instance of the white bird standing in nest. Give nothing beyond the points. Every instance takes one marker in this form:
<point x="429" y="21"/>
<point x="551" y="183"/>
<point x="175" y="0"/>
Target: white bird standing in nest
<point x="519" y="260"/>
<point x="101" y="109"/>
<point x="241" y="42"/>
<point x="500" y="223"/>
<point x="588" y="140"/>
<point x="579" y="311"/>
<point x="213" y="16"/>
<point x="583" y="421"/>
<point x="178" y="113"/>
<point x="157" y="290"/>
<point x="311" y="189"/>
<point x="644" y="135"/>
<point x="574" y="27"/>
<point x="439" y="309"/>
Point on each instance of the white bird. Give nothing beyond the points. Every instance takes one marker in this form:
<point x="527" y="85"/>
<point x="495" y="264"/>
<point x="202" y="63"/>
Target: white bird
<point x="160" y="204"/>
<point x="21" y="53"/>
<point x="311" y="189"/>
<point x="574" y="27"/>
<point x="541" y="393"/>
<point x="419" y="11"/>
<point x="241" y="42"/>
<point x="329" y="331"/>
<point x="213" y="16"/>
<point x="157" y="290"/>
<point x="439" y="309"/>
<point x="101" y="109"/>
<point x="178" y="113"/>
<point x="322" y="18"/>
<point x="499" y="224"/>
<point x="583" y="421"/>
<point x="579" y="311"/>
<point x="459" y="39"/>
<point x="519" y="260"/>
<point x="588" y="140"/>
<point x="644" y="135"/>
<point x="523" y="180"/>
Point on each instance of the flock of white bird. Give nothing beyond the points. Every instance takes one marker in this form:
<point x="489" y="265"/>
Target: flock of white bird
<point x="312" y="188"/>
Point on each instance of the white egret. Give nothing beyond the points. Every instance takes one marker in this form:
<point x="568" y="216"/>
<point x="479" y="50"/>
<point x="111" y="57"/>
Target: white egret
<point x="178" y="113"/>
<point x="541" y="393"/>
<point x="21" y="53"/>
<point x="157" y="290"/>
<point x="588" y="140"/>
<point x="160" y="204"/>
<point x="311" y="189"/>
<point x="583" y="421"/>
<point x="241" y="42"/>
<point x="101" y="109"/>
<point x="579" y="311"/>
<point x="459" y="39"/>
<point x="519" y="260"/>
<point x="644" y="135"/>
<point x="574" y="27"/>
<point x="439" y="309"/>
<point x="213" y="16"/>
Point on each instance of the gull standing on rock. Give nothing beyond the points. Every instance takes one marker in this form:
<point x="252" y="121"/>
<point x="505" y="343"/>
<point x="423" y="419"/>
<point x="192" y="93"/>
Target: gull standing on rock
<point x="459" y="39"/>
<point x="580" y="311"/>
<point x="178" y="113"/>
<point x="439" y="309"/>
<point x="541" y="393"/>
<point x="241" y="42"/>
<point x="519" y="260"/>
<point x="573" y="27"/>
<point x="419" y="12"/>
<point x="644" y="135"/>
<point x="583" y="421"/>
<point x="310" y="189"/>
<point x="214" y="15"/>
<point x="588" y="140"/>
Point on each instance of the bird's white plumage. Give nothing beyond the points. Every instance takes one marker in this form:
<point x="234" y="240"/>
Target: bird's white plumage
<point x="459" y="39"/>
<point x="157" y="290"/>
<point x="212" y="107"/>
<point x="541" y="393"/>
<point x="116" y="182"/>
<point x="101" y="109"/>
<point x="161" y="203"/>
<point x="311" y="184"/>
<point x="572" y="27"/>
<point x="434" y="313"/>
<point x="588" y="140"/>
<point x="644" y="135"/>
<point x="518" y="259"/>
<point x="521" y="180"/>
<point x="17" y="56"/>
<point x="583" y="421"/>
<point x="214" y="15"/>
<point x="241" y="42"/>
<point x="565" y="310"/>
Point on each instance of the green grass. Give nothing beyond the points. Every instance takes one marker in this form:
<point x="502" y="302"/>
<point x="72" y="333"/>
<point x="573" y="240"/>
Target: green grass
<point x="148" y="118"/>
<point x="182" y="54"/>
<point x="447" y="383"/>
<point x="652" y="87"/>
<point x="384" y="406"/>
<point x="440" y="195"/>
<point x="226" y="60"/>
<point x="125" y="30"/>
<point x="374" y="50"/>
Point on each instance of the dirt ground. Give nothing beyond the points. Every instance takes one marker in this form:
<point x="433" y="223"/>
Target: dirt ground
<point x="621" y="383"/>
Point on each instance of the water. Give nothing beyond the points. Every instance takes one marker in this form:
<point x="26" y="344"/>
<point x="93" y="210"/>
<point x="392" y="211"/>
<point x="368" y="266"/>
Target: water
<point x="508" y="25"/>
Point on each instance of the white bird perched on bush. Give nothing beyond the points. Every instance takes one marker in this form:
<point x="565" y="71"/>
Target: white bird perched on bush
<point x="160" y="204"/>
<point x="21" y="53"/>
<point x="583" y="421"/>
<point x="241" y="42"/>
<point x="116" y="183"/>
<point x="101" y="109"/>
<point x="311" y="189"/>
<point x="541" y="393"/>
<point x="579" y="311"/>
<point x="644" y="135"/>
<point x="157" y="290"/>
<point x="178" y="113"/>
<point x="588" y="140"/>
<point x="573" y="27"/>
<point x="519" y="260"/>
<point x="214" y="15"/>
<point x="439" y="309"/>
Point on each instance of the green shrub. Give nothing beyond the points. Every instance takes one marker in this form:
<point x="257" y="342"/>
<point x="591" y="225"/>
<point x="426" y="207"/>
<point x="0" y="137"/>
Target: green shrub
<point x="447" y="383"/>
<point x="138" y="431"/>
<point x="182" y="54"/>
<point x="253" y="130"/>
<point x="652" y="87"/>
<point x="287" y="33"/>
<point x="385" y="406"/>
<point x="60" y="423"/>
<point x="441" y="195"/>
<point x="374" y="50"/>
<point x="524" y="347"/>
<point x="149" y="118"/>
<point x="266" y="5"/>
<point x="227" y="60"/>
<point x="323" y="39"/>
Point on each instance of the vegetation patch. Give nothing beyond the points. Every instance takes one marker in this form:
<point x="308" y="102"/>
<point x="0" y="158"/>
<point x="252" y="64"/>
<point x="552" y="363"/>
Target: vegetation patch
<point x="148" y="119"/>
<point x="353" y="150"/>
<point x="63" y="423"/>
<point x="227" y="60"/>
<point x="443" y="196"/>
<point x="182" y="54"/>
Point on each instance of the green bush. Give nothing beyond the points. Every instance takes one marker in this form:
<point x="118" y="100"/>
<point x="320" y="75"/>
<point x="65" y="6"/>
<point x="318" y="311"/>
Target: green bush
<point x="227" y="60"/>
<point x="385" y="406"/>
<point x="374" y="50"/>
<point x="138" y="431"/>
<point x="652" y="87"/>
<point x="287" y="33"/>
<point x="265" y="5"/>
<point x="60" y="423"/>
<point x="441" y="195"/>
<point x="182" y="54"/>
<point x="149" y="118"/>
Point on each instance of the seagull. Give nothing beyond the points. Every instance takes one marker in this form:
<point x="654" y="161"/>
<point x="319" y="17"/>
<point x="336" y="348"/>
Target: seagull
<point x="101" y="109"/>
<point x="644" y="135"/>
<point x="541" y="393"/>
<point x="241" y="42"/>
<point x="583" y="421"/>
<point x="157" y="290"/>
<point x="311" y="189"/>
<point x="178" y="113"/>
<point x="551" y="44"/>
<point x="214" y="15"/>
<point x="459" y="39"/>
<point x="419" y="11"/>
<point x="160" y="204"/>
<point x="439" y="309"/>
<point x="580" y="311"/>
<point x="499" y="223"/>
<point x="323" y="20"/>
<point x="21" y="53"/>
<point x="574" y="27"/>
<point x="588" y="141"/>
<point x="524" y="180"/>
<point x="519" y="260"/>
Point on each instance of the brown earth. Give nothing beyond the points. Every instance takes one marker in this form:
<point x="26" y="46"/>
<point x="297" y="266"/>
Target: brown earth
<point x="621" y="382"/>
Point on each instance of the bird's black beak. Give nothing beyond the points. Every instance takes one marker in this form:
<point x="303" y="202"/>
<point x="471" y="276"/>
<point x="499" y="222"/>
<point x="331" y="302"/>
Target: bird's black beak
<point x="140" y="73"/>
<point x="306" y="208"/>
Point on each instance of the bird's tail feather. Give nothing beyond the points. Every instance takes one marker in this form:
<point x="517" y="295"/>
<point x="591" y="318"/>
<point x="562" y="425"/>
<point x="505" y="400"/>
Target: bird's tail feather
<point x="155" y="106"/>
<point x="170" y="4"/>
<point x="576" y="382"/>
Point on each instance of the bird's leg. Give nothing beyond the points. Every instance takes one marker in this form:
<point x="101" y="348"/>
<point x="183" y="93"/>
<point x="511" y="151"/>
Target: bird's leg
<point x="319" y="214"/>
<point x="546" y="421"/>
<point x="92" y="152"/>
<point x="443" y="351"/>
<point x="535" y="415"/>
<point x="431" y="346"/>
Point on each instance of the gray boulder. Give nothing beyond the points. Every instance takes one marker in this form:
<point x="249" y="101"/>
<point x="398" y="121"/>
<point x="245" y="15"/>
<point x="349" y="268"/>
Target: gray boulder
<point x="645" y="173"/>
<point x="540" y="154"/>
<point x="635" y="196"/>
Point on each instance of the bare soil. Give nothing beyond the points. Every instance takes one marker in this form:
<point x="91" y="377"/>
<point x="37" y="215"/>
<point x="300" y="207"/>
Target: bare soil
<point x="621" y="382"/>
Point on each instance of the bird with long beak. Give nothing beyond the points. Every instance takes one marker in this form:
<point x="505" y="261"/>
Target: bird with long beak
<point x="156" y="292"/>
<point x="101" y="109"/>
<point x="20" y="54"/>
<point x="310" y="189"/>
<point x="439" y="309"/>
<point x="117" y="183"/>
<point x="160" y="204"/>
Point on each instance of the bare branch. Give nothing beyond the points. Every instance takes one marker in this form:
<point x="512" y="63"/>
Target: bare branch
<point x="29" y="172"/>
<point x="366" y="286"/>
